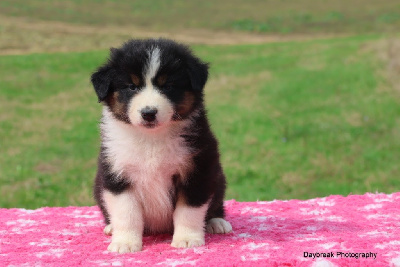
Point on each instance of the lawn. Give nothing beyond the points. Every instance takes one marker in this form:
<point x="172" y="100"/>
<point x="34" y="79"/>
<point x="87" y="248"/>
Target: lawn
<point x="294" y="120"/>
<point x="60" y="25"/>
<point x="263" y="16"/>
<point x="304" y="96"/>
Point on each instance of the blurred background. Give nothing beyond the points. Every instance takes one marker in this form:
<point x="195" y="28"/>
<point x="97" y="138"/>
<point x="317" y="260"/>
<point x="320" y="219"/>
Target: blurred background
<point x="304" y="95"/>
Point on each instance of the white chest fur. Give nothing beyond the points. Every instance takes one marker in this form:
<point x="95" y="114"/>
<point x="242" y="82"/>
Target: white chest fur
<point x="148" y="160"/>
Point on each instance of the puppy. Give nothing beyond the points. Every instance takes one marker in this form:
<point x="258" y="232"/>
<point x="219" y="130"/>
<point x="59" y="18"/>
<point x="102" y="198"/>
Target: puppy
<point x="159" y="167"/>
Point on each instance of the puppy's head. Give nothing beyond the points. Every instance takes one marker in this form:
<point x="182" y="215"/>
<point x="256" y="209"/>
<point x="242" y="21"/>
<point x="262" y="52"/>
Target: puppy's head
<point x="151" y="83"/>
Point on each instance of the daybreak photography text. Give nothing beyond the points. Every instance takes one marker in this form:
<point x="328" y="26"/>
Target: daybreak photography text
<point x="338" y="254"/>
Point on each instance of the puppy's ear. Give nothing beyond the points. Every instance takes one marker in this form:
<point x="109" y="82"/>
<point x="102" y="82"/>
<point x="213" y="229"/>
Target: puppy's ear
<point x="101" y="81"/>
<point x="113" y="50"/>
<point x="198" y="73"/>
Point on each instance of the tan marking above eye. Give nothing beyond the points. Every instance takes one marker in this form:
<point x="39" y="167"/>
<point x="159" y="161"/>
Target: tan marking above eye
<point x="135" y="79"/>
<point x="161" y="80"/>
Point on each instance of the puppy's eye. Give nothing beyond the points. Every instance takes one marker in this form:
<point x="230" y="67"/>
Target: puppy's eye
<point x="132" y="87"/>
<point x="167" y="87"/>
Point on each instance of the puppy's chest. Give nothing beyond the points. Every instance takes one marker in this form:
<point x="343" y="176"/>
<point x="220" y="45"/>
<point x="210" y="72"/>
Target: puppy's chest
<point x="148" y="159"/>
<point x="149" y="163"/>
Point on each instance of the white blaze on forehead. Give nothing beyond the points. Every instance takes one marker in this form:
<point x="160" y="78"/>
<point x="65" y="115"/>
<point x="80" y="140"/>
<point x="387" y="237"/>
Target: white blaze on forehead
<point x="152" y="65"/>
<point x="150" y="96"/>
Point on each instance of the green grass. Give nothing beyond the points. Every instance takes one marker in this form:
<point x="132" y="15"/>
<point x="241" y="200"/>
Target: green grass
<point x="318" y="125"/>
<point x="294" y="120"/>
<point x="265" y="16"/>
<point x="48" y="129"/>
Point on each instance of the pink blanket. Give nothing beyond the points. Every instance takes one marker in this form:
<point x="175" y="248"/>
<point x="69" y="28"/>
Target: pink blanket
<point x="333" y="231"/>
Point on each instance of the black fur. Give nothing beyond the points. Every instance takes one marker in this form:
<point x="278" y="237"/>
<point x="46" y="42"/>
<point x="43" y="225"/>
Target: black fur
<point x="101" y="81"/>
<point x="186" y="77"/>
<point x="105" y="179"/>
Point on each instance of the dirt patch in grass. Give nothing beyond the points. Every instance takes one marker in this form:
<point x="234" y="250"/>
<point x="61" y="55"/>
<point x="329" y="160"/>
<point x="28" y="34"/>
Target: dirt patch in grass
<point x="388" y="52"/>
<point x="46" y="114"/>
<point x="49" y="167"/>
<point x="392" y="60"/>
<point x="27" y="184"/>
<point x="223" y="87"/>
<point x="355" y="119"/>
<point x="23" y="35"/>
<point x="83" y="197"/>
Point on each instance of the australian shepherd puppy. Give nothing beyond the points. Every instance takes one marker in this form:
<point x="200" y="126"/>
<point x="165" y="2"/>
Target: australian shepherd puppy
<point x="159" y="169"/>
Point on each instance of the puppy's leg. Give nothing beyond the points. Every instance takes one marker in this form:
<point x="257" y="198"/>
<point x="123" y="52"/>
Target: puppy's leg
<point x="218" y="226"/>
<point x="127" y="221"/>
<point x="188" y="225"/>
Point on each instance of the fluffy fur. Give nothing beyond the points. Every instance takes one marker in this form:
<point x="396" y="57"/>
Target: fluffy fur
<point x="158" y="169"/>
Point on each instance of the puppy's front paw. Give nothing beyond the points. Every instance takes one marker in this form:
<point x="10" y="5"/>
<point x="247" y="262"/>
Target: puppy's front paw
<point x="125" y="242"/>
<point x="124" y="247"/>
<point x="188" y="241"/>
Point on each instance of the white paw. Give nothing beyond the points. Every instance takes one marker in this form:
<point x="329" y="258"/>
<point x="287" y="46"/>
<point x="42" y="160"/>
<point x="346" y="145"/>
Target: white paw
<point x="125" y="242"/>
<point x="124" y="247"/>
<point x="218" y="226"/>
<point x="188" y="241"/>
<point x="108" y="229"/>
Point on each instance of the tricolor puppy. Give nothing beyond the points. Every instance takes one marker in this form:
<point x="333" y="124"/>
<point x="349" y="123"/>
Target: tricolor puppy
<point x="159" y="169"/>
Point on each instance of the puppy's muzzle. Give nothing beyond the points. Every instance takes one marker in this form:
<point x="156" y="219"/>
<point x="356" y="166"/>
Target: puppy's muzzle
<point x="149" y="113"/>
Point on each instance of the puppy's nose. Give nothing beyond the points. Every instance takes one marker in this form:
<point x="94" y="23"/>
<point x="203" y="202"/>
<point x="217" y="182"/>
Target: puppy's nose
<point x="149" y="113"/>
